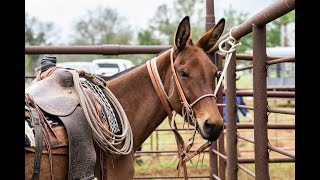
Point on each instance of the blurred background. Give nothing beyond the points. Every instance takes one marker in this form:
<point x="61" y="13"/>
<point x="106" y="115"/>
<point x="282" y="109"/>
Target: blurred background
<point x="153" y="22"/>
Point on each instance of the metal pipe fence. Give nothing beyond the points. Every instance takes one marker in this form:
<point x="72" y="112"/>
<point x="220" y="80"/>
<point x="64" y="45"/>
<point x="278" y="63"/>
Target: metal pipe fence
<point x="256" y="24"/>
<point x="224" y="164"/>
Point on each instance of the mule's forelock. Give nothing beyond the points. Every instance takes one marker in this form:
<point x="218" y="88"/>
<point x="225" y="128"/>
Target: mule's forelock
<point x="182" y="34"/>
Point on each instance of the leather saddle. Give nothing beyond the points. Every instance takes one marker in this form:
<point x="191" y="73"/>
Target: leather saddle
<point x="55" y="94"/>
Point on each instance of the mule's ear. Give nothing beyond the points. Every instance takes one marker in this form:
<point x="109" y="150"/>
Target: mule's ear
<point x="211" y="37"/>
<point x="182" y="34"/>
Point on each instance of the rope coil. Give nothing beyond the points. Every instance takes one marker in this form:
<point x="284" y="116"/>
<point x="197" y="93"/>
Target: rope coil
<point x="106" y="139"/>
<point x="233" y="45"/>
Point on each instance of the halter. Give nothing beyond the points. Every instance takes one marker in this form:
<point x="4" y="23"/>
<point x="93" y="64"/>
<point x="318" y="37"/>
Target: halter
<point x="187" y="112"/>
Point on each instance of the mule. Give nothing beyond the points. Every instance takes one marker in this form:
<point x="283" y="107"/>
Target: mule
<point x="134" y="90"/>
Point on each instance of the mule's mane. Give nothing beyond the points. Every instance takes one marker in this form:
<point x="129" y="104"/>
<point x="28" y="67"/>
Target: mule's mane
<point x="132" y="68"/>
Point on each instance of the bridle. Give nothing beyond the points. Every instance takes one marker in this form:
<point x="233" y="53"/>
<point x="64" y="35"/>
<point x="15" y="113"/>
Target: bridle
<point x="187" y="112"/>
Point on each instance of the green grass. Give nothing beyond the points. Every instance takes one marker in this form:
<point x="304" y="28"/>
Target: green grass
<point x="277" y="171"/>
<point x="165" y="165"/>
<point x="245" y="81"/>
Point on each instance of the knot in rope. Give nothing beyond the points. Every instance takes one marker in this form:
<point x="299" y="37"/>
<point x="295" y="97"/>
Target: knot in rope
<point x="231" y="41"/>
<point x="234" y="44"/>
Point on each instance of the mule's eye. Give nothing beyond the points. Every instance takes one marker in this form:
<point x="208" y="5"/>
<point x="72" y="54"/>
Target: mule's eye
<point x="218" y="74"/>
<point x="183" y="74"/>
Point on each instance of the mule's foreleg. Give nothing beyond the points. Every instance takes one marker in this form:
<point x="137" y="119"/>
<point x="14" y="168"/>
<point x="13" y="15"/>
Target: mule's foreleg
<point x="119" y="167"/>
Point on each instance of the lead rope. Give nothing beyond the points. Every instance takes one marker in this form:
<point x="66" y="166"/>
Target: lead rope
<point x="106" y="139"/>
<point x="234" y="44"/>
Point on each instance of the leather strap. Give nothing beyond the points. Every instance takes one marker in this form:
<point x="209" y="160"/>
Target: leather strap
<point x="38" y="119"/>
<point x="157" y="87"/>
<point x="168" y="108"/>
<point x="38" y="146"/>
<point x="198" y="151"/>
<point x="183" y="97"/>
<point x="157" y="84"/>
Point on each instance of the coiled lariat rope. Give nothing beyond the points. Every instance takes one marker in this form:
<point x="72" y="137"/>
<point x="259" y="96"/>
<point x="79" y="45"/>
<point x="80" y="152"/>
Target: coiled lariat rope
<point x="234" y="44"/>
<point x="106" y="139"/>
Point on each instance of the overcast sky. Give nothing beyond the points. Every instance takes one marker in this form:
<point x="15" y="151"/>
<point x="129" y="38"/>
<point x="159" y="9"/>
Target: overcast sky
<point x="64" y="12"/>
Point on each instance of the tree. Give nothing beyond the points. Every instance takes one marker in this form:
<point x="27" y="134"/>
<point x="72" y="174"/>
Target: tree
<point x="274" y="30"/>
<point x="234" y="18"/>
<point x="36" y="33"/>
<point x="166" y="19"/>
<point x="163" y="23"/>
<point x="146" y="38"/>
<point x="195" y="9"/>
<point x="102" y="26"/>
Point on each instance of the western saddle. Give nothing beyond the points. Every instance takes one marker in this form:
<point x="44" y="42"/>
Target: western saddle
<point x="56" y="95"/>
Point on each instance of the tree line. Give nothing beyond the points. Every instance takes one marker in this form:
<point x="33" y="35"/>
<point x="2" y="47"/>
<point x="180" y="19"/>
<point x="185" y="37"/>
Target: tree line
<point x="104" y="25"/>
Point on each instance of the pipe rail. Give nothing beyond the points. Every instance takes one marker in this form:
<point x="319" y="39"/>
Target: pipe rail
<point x="270" y="62"/>
<point x="105" y="49"/>
<point x="262" y="18"/>
<point x="275" y="149"/>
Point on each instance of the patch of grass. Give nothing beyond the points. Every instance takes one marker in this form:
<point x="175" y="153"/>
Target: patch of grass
<point x="246" y="81"/>
<point x="277" y="171"/>
<point x="165" y="165"/>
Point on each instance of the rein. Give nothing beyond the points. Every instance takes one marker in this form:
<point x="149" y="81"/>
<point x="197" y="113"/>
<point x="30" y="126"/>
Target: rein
<point x="41" y="129"/>
<point x="187" y="112"/>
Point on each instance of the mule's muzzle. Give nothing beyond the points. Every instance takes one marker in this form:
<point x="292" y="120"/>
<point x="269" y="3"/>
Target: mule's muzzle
<point x="212" y="130"/>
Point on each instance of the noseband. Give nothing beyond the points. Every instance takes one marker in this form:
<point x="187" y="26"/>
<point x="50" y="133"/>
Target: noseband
<point x="187" y="111"/>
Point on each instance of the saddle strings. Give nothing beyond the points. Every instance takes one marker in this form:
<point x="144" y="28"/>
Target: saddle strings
<point x="106" y="139"/>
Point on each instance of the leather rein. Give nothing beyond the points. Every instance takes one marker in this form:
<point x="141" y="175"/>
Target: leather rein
<point x="187" y="112"/>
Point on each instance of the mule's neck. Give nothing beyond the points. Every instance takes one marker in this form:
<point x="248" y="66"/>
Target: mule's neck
<point x="139" y="99"/>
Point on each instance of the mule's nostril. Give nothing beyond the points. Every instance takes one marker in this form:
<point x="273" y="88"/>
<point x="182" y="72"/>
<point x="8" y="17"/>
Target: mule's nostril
<point x="208" y="127"/>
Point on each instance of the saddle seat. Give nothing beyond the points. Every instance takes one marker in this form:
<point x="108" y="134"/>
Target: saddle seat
<point x="56" y="93"/>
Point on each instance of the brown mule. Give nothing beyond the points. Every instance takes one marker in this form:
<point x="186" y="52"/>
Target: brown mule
<point x="135" y="92"/>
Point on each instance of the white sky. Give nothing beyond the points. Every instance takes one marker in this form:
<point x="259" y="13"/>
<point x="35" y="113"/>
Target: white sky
<point x="63" y="13"/>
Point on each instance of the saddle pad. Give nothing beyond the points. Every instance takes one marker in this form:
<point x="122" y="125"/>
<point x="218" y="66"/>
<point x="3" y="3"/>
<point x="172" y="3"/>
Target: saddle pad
<point x="55" y="94"/>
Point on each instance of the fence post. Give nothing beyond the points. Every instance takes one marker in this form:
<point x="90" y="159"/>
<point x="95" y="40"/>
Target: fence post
<point x="222" y="162"/>
<point x="210" y="23"/>
<point x="231" y="124"/>
<point x="260" y="102"/>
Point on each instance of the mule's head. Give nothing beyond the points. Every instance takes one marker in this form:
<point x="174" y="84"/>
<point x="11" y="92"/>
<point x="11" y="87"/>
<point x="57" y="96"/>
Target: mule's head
<point x="197" y="74"/>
